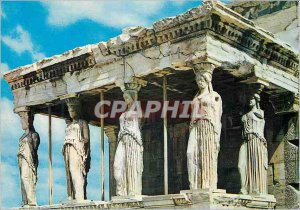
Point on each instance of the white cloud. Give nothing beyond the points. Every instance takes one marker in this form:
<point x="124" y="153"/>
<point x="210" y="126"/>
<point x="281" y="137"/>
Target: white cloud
<point x="3" y="69"/>
<point x="2" y="13"/>
<point x="10" y="127"/>
<point x="10" y="132"/>
<point x="37" y="56"/>
<point x="58" y="127"/>
<point x="20" y="41"/>
<point x="117" y="14"/>
<point x="10" y="183"/>
<point x="59" y="185"/>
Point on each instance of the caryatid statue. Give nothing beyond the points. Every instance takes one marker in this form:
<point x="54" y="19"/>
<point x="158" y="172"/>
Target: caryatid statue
<point x="205" y="129"/>
<point x="128" y="162"/>
<point x="28" y="158"/>
<point x="76" y="152"/>
<point x="253" y="156"/>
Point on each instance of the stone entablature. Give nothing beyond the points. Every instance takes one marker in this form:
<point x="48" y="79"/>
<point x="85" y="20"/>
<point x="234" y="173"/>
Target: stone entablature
<point x="211" y="19"/>
<point x="55" y="71"/>
<point x="211" y="16"/>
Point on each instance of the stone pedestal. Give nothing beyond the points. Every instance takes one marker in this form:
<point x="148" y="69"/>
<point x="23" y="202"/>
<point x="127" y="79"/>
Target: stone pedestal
<point x="165" y="201"/>
<point x="127" y="198"/>
<point x="187" y="199"/>
<point x="216" y="199"/>
<point x="243" y="201"/>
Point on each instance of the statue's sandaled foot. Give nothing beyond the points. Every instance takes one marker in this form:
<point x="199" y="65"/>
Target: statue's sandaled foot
<point x="244" y="192"/>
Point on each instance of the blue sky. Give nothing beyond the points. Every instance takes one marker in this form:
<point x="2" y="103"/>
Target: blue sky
<point x="35" y="30"/>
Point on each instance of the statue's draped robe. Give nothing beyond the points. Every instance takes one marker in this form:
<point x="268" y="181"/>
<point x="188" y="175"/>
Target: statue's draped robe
<point x="77" y="159"/>
<point x="28" y="163"/>
<point x="204" y="141"/>
<point x="128" y="162"/>
<point x="253" y="156"/>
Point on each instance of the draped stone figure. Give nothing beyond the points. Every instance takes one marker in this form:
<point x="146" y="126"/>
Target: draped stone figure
<point x="128" y="162"/>
<point x="253" y="156"/>
<point x="28" y="158"/>
<point x="205" y="129"/>
<point x="76" y="152"/>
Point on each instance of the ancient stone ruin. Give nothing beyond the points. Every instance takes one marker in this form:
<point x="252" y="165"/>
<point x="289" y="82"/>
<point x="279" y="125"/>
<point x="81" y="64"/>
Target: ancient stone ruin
<point x="237" y="149"/>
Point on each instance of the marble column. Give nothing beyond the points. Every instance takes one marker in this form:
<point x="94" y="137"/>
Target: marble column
<point x="28" y="157"/>
<point x="205" y="130"/>
<point x="112" y="136"/>
<point x="128" y="161"/>
<point x="76" y="151"/>
<point x="253" y="155"/>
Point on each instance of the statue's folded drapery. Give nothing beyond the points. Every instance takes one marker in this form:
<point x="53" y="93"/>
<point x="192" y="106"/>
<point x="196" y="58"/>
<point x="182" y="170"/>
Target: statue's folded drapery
<point x="128" y="163"/>
<point x="28" y="163"/>
<point x="253" y="156"/>
<point x="76" y="152"/>
<point x="203" y="145"/>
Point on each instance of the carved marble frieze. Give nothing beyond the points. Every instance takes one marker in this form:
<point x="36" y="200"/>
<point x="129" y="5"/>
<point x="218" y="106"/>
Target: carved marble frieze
<point x="55" y="71"/>
<point x="210" y="19"/>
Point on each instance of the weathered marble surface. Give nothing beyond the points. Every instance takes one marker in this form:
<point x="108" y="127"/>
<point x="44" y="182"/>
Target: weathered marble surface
<point x="28" y="158"/>
<point x="285" y="27"/>
<point x="196" y="199"/>
<point x="205" y="130"/>
<point x="76" y="152"/>
<point x="253" y="156"/>
<point x="292" y="197"/>
<point x="291" y="157"/>
<point x="170" y="43"/>
<point x="128" y="160"/>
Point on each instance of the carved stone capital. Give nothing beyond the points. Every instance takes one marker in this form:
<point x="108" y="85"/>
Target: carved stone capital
<point x="133" y="84"/>
<point x="201" y="67"/>
<point x="22" y="109"/>
<point x="26" y="116"/>
<point x="71" y="99"/>
<point x="74" y="101"/>
<point x="111" y="133"/>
